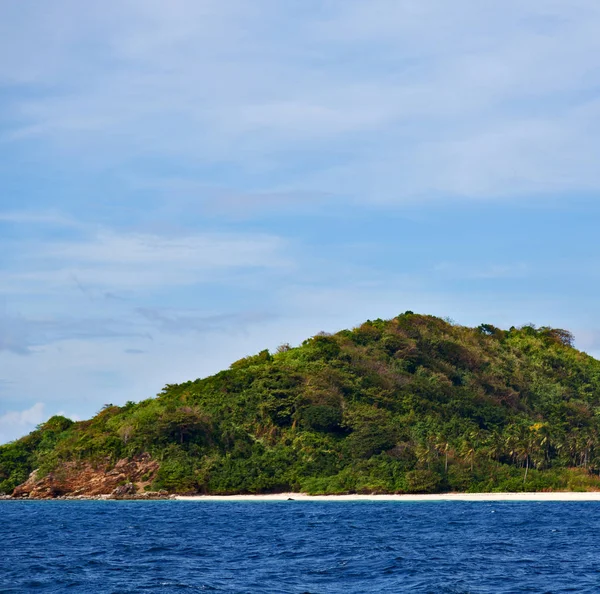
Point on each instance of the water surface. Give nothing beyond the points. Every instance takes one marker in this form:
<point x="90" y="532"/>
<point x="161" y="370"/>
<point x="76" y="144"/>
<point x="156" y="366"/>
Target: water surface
<point x="299" y="547"/>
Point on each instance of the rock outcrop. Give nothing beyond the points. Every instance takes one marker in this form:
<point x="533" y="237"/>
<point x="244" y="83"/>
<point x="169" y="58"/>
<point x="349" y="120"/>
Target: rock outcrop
<point x="125" y="479"/>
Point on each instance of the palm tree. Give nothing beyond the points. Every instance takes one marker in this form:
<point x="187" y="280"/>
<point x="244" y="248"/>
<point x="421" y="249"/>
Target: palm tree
<point x="519" y="444"/>
<point x="470" y="445"/>
<point x="443" y="446"/>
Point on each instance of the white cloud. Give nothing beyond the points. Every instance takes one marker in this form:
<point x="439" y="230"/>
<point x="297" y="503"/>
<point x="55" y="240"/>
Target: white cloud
<point x="73" y="417"/>
<point x="121" y="261"/>
<point x="112" y="285"/>
<point x="414" y="98"/>
<point x="206" y="251"/>
<point x="190" y="111"/>
<point x="13" y="424"/>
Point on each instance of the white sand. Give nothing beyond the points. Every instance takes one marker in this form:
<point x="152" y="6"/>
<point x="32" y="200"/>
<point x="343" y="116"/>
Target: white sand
<point x="556" y="496"/>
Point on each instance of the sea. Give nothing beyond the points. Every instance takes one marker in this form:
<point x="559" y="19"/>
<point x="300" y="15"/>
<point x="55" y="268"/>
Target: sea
<point x="299" y="547"/>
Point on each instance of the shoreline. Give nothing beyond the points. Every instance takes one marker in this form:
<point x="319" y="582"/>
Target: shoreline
<point x="566" y="496"/>
<point x="482" y="497"/>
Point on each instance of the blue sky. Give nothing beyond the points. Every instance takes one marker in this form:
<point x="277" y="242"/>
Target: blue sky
<point x="184" y="183"/>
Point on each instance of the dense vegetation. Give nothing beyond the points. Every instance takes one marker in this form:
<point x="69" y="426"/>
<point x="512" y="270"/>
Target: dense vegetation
<point x="413" y="404"/>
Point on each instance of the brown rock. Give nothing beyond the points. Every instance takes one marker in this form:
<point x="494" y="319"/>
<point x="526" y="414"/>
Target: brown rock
<point x="122" y="491"/>
<point x="85" y="479"/>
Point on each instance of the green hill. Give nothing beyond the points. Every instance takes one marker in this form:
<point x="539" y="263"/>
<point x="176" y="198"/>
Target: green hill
<point x="412" y="404"/>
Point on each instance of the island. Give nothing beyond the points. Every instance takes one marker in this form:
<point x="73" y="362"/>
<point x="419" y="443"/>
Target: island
<point x="411" y="405"/>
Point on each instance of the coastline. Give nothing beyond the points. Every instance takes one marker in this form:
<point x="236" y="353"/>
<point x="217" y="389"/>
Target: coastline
<point x="531" y="496"/>
<point x="581" y="496"/>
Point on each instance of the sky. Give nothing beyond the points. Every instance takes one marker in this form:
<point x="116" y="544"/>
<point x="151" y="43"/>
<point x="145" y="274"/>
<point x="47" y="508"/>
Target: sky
<point x="185" y="183"/>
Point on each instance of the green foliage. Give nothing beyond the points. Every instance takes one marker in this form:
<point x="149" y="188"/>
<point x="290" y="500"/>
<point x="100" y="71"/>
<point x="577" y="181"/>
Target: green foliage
<point x="321" y="417"/>
<point x="423" y="481"/>
<point x="176" y="472"/>
<point x="372" y="432"/>
<point x="412" y="404"/>
<point x="15" y="466"/>
<point x="261" y="358"/>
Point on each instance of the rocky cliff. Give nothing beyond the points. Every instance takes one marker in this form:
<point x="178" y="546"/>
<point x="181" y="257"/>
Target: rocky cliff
<point x="126" y="478"/>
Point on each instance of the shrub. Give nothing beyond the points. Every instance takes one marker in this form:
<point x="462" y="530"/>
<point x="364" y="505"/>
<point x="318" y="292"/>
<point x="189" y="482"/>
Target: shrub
<point x="423" y="481"/>
<point x="321" y="418"/>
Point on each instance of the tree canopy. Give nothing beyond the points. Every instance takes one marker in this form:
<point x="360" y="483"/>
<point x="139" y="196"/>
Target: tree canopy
<point x="411" y="404"/>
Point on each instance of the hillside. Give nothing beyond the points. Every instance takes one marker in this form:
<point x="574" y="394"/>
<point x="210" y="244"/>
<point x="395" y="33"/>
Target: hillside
<point x="412" y="404"/>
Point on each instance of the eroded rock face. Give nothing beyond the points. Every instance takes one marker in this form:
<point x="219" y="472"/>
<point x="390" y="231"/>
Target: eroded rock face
<point x="126" y="478"/>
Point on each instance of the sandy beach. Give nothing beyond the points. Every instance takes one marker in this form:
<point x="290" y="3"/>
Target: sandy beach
<point x="556" y="496"/>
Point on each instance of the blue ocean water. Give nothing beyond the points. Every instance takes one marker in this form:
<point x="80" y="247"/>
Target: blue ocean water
<point x="298" y="547"/>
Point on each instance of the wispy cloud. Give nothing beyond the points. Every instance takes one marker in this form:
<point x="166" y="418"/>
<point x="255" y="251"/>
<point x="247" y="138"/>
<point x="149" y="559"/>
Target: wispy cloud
<point x="15" y="423"/>
<point x="195" y="197"/>
<point x="94" y="285"/>
<point x="112" y="261"/>
<point x="182" y="321"/>
<point x="405" y="99"/>
<point x="190" y="181"/>
<point x="134" y="351"/>
<point x="201" y="251"/>
<point x="21" y="335"/>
